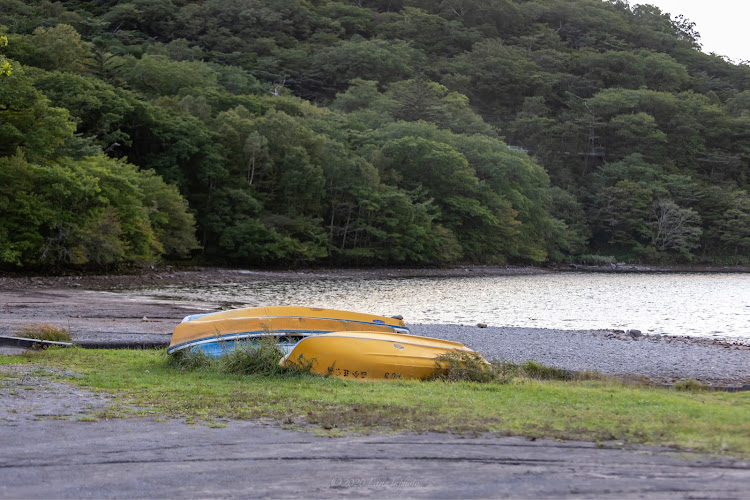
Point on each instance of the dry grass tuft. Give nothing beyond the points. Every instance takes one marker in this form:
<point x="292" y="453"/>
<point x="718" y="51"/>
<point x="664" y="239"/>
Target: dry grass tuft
<point x="45" y="332"/>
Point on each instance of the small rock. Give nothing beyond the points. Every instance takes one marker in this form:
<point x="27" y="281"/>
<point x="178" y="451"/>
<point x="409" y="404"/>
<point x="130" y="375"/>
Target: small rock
<point x="481" y="325"/>
<point x="398" y="316"/>
<point x="635" y="333"/>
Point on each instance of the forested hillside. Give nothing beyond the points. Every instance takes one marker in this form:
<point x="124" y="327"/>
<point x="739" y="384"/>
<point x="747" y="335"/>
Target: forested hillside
<point x="367" y="132"/>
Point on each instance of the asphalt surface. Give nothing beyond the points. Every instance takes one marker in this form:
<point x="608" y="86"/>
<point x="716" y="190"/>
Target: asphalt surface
<point x="138" y="458"/>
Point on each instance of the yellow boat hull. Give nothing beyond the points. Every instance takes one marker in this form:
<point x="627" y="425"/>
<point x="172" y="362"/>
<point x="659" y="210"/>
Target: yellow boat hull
<point x="281" y="321"/>
<point x="372" y="355"/>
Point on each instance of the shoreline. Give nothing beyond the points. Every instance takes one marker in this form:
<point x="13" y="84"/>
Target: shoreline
<point x="95" y="313"/>
<point x="169" y="275"/>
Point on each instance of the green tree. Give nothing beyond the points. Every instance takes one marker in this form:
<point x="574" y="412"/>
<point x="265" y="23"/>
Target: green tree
<point x="420" y="99"/>
<point x="620" y="216"/>
<point x="5" y="66"/>
<point x="100" y="110"/>
<point x="735" y="226"/>
<point x="61" y="48"/>
<point x="157" y="75"/>
<point x="97" y="211"/>
<point x="379" y="60"/>
<point x="27" y="120"/>
<point x="433" y="34"/>
<point x="496" y="77"/>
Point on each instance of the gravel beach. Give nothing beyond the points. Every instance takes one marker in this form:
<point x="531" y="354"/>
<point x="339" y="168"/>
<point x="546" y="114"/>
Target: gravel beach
<point x="663" y="359"/>
<point x="89" y="307"/>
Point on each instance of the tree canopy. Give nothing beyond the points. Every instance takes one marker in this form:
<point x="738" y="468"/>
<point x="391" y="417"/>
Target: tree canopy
<point x="366" y="132"/>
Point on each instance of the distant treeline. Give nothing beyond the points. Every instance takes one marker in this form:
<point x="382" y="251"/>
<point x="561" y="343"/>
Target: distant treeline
<point x="367" y="132"/>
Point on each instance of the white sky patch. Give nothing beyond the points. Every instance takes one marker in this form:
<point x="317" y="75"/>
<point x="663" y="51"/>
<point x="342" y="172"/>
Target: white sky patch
<point x="722" y="24"/>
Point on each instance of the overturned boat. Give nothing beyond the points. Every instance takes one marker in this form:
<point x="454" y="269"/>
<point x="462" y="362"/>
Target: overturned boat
<point x="370" y="355"/>
<point x="216" y="333"/>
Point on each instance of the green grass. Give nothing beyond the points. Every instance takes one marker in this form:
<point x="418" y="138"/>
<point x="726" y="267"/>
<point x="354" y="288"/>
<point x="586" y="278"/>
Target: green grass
<point x="593" y="410"/>
<point x="256" y="356"/>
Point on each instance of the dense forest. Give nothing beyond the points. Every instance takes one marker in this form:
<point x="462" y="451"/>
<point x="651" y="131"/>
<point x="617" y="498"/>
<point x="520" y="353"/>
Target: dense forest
<point x="367" y="132"/>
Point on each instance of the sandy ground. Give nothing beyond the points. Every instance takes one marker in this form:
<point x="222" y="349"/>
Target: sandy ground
<point x="57" y="443"/>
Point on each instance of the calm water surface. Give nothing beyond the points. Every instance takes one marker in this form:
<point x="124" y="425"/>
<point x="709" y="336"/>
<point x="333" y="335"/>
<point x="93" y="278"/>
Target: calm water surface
<point x="709" y="305"/>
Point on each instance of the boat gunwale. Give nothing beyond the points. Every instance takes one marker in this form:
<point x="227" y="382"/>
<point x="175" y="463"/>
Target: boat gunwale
<point x="386" y="320"/>
<point x="230" y="337"/>
<point x="401" y="330"/>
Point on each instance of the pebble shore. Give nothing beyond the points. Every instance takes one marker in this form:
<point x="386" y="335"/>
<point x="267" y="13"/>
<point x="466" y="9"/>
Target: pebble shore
<point x="660" y="358"/>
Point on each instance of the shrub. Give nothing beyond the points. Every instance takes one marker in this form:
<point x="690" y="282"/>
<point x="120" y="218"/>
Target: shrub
<point x="45" y="332"/>
<point x="538" y="371"/>
<point x="256" y="356"/>
<point x="468" y="366"/>
<point x="245" y="357"/>
<point x="190" y="359"/>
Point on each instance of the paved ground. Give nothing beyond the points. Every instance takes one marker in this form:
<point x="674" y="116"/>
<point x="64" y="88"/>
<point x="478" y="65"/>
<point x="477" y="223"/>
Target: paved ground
<point x="138" y="458"/>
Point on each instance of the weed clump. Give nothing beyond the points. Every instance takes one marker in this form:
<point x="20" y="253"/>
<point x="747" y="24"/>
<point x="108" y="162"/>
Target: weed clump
<point x="690" y="385"/>
<point x="190" y="360"/>
<point x="463" y="366"/>
<point x="45" y="332"/>
<point x="258" y="356"/>
<point x="471" y="367"/>
<point x="538" y="371"/>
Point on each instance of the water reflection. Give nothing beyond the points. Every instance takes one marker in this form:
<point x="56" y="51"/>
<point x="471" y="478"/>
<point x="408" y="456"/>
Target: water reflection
<point x="679" y="304"/>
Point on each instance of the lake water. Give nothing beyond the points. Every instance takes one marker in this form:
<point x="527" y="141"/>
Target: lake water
<point x="706" y="305"/>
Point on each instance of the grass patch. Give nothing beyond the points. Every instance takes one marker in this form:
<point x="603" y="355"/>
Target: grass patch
<point x="691" y="385"/>
<point x="257" y="356"/>
<point x="602" y="410"/>
<point x="45" y="332"/>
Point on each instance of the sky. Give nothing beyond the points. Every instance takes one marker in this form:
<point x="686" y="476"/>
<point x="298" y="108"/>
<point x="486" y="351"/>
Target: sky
<point x="722" y="24"/>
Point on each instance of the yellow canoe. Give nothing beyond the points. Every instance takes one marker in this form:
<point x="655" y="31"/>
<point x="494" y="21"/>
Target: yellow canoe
<point x="212" y="332"/>
<point x="372" y="355"/>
